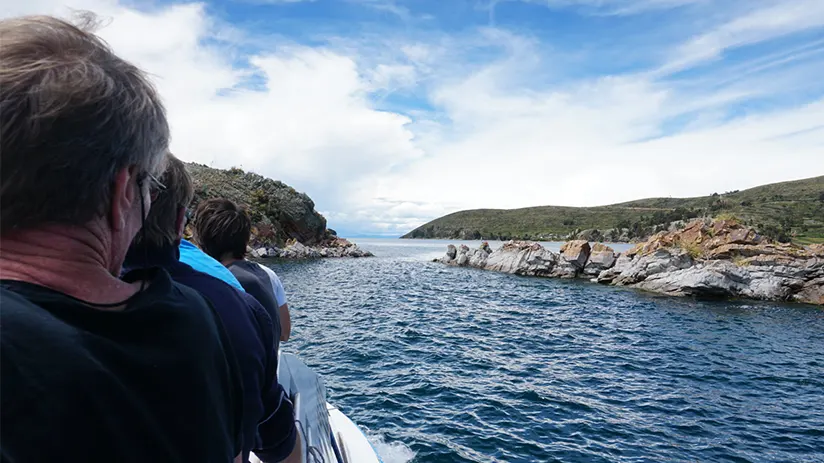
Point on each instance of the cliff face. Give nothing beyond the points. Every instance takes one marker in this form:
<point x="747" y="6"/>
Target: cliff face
<point x="279" y="213"/>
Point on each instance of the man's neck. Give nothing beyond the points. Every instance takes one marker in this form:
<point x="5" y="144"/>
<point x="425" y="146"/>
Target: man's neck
<point x="228" y="259"/>
<point x="75" y="261"/>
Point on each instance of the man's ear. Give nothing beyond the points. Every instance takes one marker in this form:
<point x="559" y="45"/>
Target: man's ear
<point x="123" y="196"/>
<point x="181" y="222"/>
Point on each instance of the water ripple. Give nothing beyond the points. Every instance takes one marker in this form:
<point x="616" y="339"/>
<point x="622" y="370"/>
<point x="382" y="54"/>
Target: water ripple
<point x="456" y="365"/>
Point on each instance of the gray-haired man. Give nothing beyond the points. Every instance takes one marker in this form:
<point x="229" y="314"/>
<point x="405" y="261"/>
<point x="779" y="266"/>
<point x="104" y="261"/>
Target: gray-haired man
<point x="92" y="367"/>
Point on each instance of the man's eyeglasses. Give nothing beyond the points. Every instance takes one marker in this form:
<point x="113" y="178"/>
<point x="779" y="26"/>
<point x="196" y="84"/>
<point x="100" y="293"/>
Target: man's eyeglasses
<point x="155" y="185"/>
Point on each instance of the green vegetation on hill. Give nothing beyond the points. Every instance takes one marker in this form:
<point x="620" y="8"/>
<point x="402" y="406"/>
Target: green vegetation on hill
<point x="278" y="212"/>
<point x="788" y="210"/>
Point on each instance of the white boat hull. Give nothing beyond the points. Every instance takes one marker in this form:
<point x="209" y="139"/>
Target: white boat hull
<point x="328" y="435"/>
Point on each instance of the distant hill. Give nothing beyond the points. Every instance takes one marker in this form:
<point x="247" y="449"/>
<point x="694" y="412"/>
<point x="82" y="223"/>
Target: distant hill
<point x="278" y="212"/>
<point x="784" y="211"/>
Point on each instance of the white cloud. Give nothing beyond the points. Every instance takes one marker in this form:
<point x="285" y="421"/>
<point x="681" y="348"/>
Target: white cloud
<point x="312" y="125"/>
<point x="503" y="132"/>
<point x="776" y="20"/>
<point x="612" y="7"/>
<point x="389" y="77"/>
<point x="388" y="6"/>
<point x="600" y="142"/>
<point x="273" y="2"/>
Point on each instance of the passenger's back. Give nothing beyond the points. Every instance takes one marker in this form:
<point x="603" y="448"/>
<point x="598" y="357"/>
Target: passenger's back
<point x="82" y="384"/>
<point x="251" y="331"/>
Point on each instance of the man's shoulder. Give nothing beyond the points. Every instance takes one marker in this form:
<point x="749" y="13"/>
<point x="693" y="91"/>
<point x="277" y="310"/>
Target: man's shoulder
<point x="247" y="274"/>
<point x="251" y="267"/>
<point x="268" y="271"/>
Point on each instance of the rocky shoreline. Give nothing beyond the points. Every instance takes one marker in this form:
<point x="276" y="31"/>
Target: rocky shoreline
<point x="722" y="259"/>
<point x="334" y="248"/>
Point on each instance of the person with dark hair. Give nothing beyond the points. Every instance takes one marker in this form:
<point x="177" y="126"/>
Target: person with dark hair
<point x="223" y="230"/>
<point x="94" y="367"/>
<point x="268" y="421"/>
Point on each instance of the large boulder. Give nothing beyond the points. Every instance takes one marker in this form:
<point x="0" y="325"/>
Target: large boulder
<point x="812" y="292"/>
<point x="574" y="256"/>
<point x="622" y="262"/>
<point x="356" y="252"/>
<point x="462" y="258"/>
<point x="576" y="252"/>
<point x="662" y="260"/>
<point x="478" y="257"/>
<point x="795" y="280"/>
<point x="258" y="253"/>
<point x="522" y="258"/>
<point x="715" y="279"/>
<point x="601" y="257"/>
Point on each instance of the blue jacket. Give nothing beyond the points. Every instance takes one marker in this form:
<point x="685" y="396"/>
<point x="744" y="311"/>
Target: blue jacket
<point x="268" y="416"/>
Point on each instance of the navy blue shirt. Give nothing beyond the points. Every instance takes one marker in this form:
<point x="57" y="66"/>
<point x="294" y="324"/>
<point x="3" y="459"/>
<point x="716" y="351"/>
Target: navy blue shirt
<point x="268" y="419"/>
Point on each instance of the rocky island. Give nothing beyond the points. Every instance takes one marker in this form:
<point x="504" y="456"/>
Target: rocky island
<point x="706" y="258"/>
<point x="285" y="223"/>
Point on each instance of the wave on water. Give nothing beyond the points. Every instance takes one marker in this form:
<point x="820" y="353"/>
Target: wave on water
<point x="390" y="452"/>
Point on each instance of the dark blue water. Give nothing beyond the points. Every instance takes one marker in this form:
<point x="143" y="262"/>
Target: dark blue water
<point x="460" y="365"/>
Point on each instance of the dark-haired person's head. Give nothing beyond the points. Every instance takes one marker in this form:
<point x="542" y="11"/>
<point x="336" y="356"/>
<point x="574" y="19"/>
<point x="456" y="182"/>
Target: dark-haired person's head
<point x="167" y="218"/>
<point x="84" y="134"/>
<point x="222" y="229"/>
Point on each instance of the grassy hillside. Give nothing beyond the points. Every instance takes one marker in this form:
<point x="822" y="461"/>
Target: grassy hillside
<point x="788" y="210"/>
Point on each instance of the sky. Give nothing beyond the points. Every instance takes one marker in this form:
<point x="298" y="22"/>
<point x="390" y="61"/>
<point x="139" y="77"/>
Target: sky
<point x="390" y="113"/>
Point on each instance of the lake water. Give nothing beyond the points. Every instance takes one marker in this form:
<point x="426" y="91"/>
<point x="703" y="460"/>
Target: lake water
<point x="445" y="364"/>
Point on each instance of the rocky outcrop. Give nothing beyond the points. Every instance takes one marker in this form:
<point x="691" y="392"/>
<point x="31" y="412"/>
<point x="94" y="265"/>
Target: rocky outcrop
<point x="516" y="257"/>
<point x="722" y="259"/>
<point x="284" y="221"/>
<point x="703" y="259"/>
<point x="337" y="247"/>
<point x="279" y="213"/>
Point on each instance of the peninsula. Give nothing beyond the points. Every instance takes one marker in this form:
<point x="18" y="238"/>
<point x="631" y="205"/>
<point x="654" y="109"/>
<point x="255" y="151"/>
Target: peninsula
<point x="787" y="211"/>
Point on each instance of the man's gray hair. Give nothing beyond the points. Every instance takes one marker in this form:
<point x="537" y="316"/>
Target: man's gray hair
<point x="160" y="228"/>
<point x="72" y="115"/>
